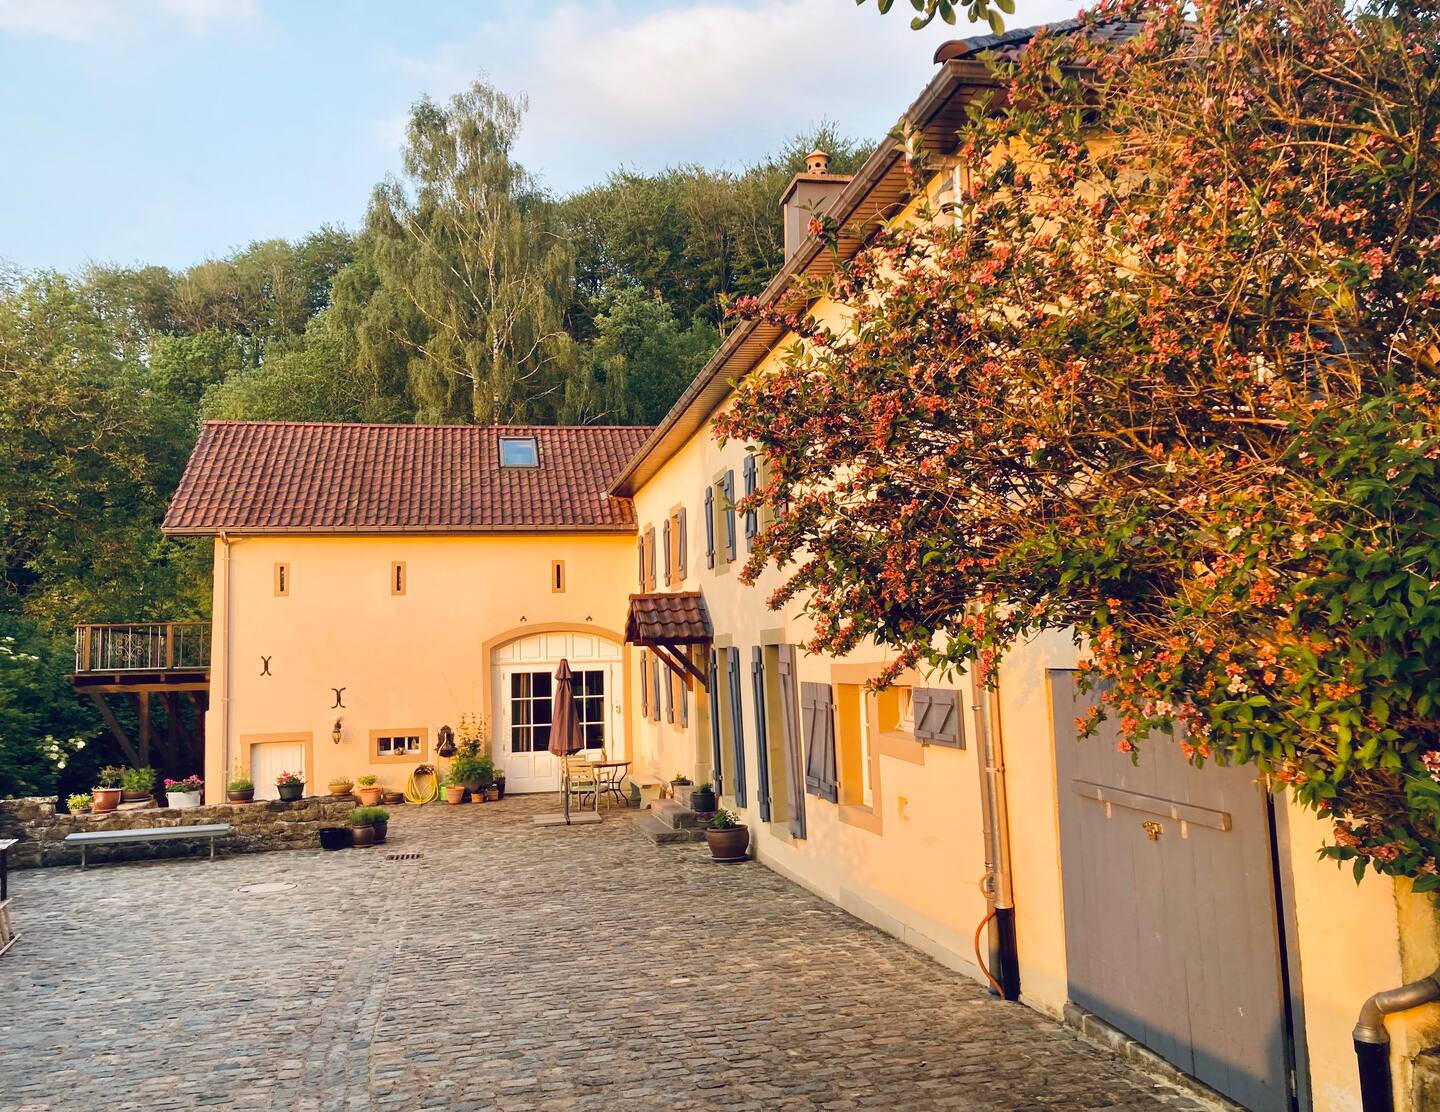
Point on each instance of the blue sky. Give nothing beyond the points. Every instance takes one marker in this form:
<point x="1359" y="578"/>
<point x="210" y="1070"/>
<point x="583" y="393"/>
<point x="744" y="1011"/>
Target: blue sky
<point x="168" y="131"/>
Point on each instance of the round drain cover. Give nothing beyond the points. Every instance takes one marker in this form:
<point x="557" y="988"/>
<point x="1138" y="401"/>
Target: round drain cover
<point x="268" y="889"/>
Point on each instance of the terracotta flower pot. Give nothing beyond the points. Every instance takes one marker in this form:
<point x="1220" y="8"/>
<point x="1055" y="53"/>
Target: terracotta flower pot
<point x="363" y="835"/>
<point x="240" y="795"/>
<point x="104" y="800"/>
<point x="455" y="794"/>
<point x="290" y="792"/>
<point x="136" y="796"/>
<point x="477" y="795"/>
<point x="728" y="845"/>
<point x="369" y="797"/>
<point x="341" y="787"/>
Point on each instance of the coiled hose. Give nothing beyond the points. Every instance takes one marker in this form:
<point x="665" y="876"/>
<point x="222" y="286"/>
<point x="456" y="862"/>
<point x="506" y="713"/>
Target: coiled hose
<point x="414" y="793"/>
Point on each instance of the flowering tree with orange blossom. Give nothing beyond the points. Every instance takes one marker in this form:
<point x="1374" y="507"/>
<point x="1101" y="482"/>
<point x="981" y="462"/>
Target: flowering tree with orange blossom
<point x="1165" y="377"/>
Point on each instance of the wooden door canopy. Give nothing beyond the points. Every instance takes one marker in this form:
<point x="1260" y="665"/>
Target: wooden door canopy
<point x="670" y="623"/>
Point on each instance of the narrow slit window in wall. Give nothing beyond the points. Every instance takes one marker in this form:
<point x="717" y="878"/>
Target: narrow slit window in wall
<point x="282" y="579"/>
<point x="397" y="578"/>
<point x="557" y="576"/>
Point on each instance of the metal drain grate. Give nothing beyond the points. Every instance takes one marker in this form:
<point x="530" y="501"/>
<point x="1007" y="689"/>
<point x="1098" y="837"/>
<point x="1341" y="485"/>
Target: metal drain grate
<point x="402" y="857"/>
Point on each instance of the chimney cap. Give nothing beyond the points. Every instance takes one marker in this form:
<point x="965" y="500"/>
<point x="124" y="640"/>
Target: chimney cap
<point x="817" y="162"/>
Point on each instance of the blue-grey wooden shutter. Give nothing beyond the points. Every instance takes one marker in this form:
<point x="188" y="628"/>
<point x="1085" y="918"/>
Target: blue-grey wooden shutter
<point x="794" y="760"/>
<point x="650" y="558"/>
<point x="655" y="683"/>
<point x="669" y="551"/>
<point x="752" y="519"/>
<point x="684" y="693"/>
<point x="682" y="542"/>
<point x="817" y="709"/>
<point x="714" y="693"/>
<point x="644" y="684"/>
<point x="669" y="696"/>
<point x="640" y="552"/>
<point x="737" y="727"/>
<point x="937" y="716"/>
<point x="729" y="495"/>
<point x="762" y="740"/>
<point x="710" y="528"/>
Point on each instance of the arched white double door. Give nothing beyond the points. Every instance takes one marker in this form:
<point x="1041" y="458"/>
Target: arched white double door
<point x="523" y="682"/>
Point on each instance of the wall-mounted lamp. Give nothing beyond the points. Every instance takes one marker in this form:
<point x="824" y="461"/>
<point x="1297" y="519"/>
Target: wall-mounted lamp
<point x="337" y="734"/>
<point x="446" y="748"/>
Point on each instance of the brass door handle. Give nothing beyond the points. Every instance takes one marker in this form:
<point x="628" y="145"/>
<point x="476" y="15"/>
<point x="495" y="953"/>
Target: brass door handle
<point x="1153" y="830"/>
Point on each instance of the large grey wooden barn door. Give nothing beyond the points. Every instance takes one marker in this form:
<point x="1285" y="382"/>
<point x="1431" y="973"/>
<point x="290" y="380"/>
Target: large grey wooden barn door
<point x="1171" y="931"/>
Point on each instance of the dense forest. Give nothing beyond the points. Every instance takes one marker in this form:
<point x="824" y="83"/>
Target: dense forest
<point x="469" y="293"/>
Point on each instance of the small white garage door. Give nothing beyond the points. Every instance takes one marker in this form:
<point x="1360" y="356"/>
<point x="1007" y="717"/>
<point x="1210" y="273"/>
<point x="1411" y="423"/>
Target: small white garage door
<point x="268" y="759"/>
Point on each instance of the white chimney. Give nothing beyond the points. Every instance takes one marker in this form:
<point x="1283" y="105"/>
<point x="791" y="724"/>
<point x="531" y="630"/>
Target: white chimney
<point x="809" y="195"/>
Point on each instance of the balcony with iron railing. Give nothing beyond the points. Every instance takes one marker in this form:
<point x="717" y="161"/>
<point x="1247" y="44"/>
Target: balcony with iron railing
<point x="144" y="647"/>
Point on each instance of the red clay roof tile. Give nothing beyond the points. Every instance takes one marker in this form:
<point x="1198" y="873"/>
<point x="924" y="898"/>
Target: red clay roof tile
<point x="302" y="477"/>
<point x="678" y="618"/>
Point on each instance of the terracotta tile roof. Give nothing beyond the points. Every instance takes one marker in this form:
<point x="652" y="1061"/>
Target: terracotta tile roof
<point x="1010" y="44"/>
<point x="296" y="477"/>
<point x="668" y="619"/>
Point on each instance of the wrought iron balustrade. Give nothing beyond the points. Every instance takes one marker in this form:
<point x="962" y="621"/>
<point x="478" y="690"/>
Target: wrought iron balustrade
<point x="142" y="647"/>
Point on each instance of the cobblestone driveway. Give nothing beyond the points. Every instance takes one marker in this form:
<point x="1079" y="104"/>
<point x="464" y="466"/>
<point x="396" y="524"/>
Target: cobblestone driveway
<point x="511" y="967"/>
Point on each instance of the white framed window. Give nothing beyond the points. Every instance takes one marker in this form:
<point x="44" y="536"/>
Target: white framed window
<point x="398" y="745"/>
<point x="519" y="451"/>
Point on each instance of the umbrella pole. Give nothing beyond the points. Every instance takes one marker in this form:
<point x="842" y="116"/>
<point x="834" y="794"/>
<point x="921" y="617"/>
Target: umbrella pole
<point x="565" y="787"/>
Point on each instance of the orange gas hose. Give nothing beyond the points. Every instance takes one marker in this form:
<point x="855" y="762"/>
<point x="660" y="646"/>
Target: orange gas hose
<point x="981" y="961"/>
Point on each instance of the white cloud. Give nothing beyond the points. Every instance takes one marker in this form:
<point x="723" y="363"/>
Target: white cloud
<point x="90" y="20"/>
<point x="721" y="81"/>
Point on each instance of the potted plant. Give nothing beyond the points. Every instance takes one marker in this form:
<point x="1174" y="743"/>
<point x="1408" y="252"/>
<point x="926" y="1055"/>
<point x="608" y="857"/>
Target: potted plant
<point x="291" y="785"/>
<point x="138" y="783"/>
<point x="499" y="784"/>
<point x="454" y="793"/>
<point x="105" y="796"/>
<point x="362" y="826"/>
<point x="380" y="820"/>
<point x="335" y="837"/>
<point x="184" y="794"/>
<point x="341" y="785"/>
<point x="727" y="837"/>
<point x="240" y="789"/>
<point x="79" y="803"/>
<point x="368" y="790"/>
<point x="702" y="799"/>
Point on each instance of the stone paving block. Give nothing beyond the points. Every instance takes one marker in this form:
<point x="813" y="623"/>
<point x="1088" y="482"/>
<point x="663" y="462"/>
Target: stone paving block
<point x="511" y="967"/>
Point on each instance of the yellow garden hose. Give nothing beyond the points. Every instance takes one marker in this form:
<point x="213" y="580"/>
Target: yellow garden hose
<point x="414" y="793"/>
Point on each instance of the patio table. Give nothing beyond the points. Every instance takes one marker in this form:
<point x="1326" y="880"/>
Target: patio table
<point x="611" y="775"/>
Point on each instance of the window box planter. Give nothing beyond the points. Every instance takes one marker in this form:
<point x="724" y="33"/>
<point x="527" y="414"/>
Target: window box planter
<point x="183" y="801"/>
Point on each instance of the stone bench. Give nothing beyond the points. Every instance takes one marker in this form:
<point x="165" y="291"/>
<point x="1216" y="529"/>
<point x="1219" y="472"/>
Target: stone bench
<point x="149" y="834"/>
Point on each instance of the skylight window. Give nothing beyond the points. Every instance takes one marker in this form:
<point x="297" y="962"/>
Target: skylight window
<point x="519" y="451"/>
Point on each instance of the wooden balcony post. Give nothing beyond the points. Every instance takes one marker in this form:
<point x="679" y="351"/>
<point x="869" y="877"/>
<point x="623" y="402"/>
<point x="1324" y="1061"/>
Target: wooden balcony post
<point x="85" y="663"/>
<point x="169" y="646"/>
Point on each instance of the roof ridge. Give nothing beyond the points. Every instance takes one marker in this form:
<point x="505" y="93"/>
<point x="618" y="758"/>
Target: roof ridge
<point x="233" y="423"/>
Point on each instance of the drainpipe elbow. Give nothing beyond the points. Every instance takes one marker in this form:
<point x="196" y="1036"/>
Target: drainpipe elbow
<point x="1370" y="1028"/>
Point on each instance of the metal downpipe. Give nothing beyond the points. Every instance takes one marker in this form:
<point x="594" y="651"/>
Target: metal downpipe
<point x="989" y="744"/>
<point x="1372" y="1041"/>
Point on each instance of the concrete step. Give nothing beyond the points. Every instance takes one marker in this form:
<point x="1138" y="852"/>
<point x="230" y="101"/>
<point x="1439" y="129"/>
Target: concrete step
<point x="662" y="834"/>
<point x="675" y="815"/>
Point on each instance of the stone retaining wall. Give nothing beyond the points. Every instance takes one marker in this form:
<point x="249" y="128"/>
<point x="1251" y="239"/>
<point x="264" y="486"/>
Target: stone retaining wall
<point x="255" y="828"/>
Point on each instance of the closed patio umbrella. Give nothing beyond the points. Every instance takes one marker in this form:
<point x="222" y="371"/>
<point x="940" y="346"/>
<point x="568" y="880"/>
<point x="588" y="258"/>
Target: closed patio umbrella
<point x="565" y="736"/>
